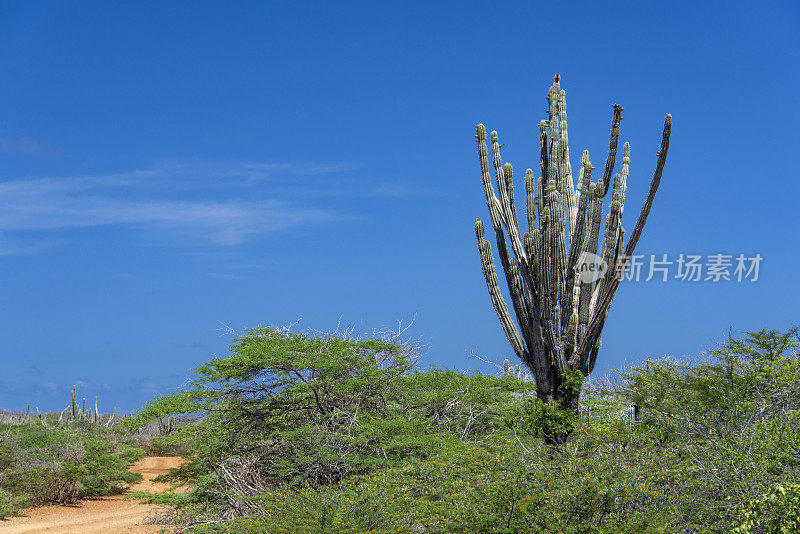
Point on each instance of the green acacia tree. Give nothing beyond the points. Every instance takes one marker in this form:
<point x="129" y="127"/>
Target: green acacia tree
<point x="559" y="311"/>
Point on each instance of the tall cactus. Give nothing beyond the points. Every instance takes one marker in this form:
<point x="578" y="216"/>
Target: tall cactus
<point x="558" y="314"/>
<point x="74" y="404"/>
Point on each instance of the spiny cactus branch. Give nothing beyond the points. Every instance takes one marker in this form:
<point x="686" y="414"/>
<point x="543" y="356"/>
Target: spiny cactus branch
<point x="612" y="146"/>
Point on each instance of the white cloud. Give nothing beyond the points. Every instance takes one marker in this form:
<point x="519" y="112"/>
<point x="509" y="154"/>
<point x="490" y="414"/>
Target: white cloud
<point x="213" y="201"/>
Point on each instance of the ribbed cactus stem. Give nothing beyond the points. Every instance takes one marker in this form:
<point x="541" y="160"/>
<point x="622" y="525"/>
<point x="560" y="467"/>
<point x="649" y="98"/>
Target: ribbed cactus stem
<point x="487" y="263"/>
<point x="626" y="162"/>
<point x="74" y="403"/>
<point x="572" y="283"/>
<point x="540" y="190"/>
<point x="506" y="208"/>
<point x="590" y="247"/>
<point x="611" y="238"/>
<point x="534" y="244"/>
<point x="612" y="147"/>
<point x="554" y="141"/>
<point x="499" y="174"/>
<point x="594" y="234"/>
<point x="543" y="163"/>
<point x="508" y="172"/>
<point x="568" y="189"/>
<point x="530" y="199"/>
<point x="494" y="213"/>
<point x="518" y="298"/>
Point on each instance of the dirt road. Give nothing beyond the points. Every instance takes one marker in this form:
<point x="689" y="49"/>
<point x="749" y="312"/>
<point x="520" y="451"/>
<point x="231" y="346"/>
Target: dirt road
<point x="101" y="515"/>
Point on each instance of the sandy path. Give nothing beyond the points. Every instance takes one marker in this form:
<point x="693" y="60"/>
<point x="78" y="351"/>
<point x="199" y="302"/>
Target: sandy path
<point x="101" y="515"/>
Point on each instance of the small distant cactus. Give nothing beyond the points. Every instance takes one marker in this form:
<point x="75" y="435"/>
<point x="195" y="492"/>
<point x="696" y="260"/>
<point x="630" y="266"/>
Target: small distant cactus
<point x="558" y="315"/>
<point x="74" y="403"/>
<point x="80" y="414"/>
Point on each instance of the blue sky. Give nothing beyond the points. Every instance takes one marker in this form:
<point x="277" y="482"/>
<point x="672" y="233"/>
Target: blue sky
<point x="169" y="172"/>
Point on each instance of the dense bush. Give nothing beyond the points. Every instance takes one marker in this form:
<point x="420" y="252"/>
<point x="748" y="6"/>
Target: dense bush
<point x="322" y="434"/>
<point x="40" y="465"/>
<point x="736" y="414"/>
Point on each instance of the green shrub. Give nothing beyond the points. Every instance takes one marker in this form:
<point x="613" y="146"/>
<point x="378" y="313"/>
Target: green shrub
<point x="10" y="503"/>
<point x="776" y="512"/>
<point x="7" y="456"/>
<point x="40" y="464"/>
<point x="300" y="409"/>
<point x="736" y="415"/>
<point x="468" y="488"/>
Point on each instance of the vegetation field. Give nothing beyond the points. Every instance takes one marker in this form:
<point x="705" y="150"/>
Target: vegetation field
<point x="61" y="464"/>
<point x="306" y="434"/>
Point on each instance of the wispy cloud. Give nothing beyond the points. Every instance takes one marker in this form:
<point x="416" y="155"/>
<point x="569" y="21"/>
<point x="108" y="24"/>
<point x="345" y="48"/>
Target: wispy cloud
<point x="221" y="202"/>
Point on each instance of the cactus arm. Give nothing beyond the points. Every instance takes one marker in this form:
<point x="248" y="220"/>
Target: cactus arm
<point x="508" y="173"/>
<point x="543" y="163"/>
<point x="502" y="213"/>
<point x="533" y="245"/>
<point x="545" y="281"/>
<point x="566" y="167"/>
<point x="499" y="174"/>
<point x="626" y="161"/>
<point x="612" y="147"/>
<point x="540" y="197"/>
<point x="589" y="366"/>
<point x="595" y="324"/>
<point x="610" y="239"/>
<point x="557" y="243"/>
<point x="648" y="203"/>
<point x="530" y="199"/>
<point x="483" y="156"/>
<point x="487" y="264"/>
<point x="590" y="246"/>
<point x="507" y="215"/>
<point x="572" y="284"/>
<point x="554" y="148"/>
<point x="613" y="221"/>
<point x="492" y="202"/>
<point x="519" y="301"/>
